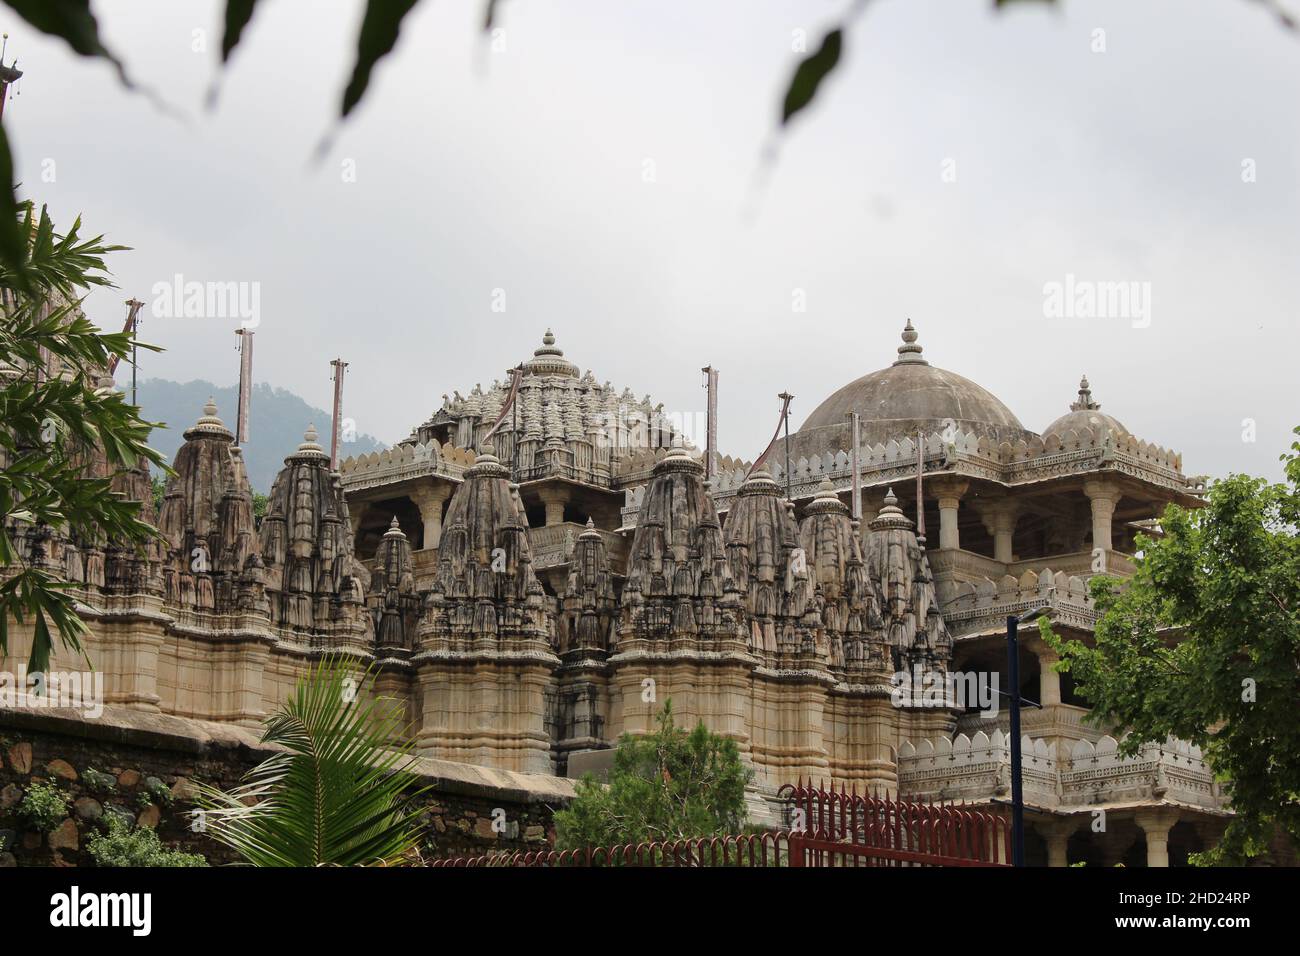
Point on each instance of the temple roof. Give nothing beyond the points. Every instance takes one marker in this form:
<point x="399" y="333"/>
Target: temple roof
<point x="556" y="402"/>
<point x="909" y="394"/>
<point x="1084" y="412"/>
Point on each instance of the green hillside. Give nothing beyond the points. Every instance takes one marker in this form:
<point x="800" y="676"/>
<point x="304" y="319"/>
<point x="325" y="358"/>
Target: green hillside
<point x="278" y="418"/>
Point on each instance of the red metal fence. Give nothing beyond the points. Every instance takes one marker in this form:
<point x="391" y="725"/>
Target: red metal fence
<point x="846" y="828"/>
<point x="827" y="828"/>
<point x="757" y="849"/>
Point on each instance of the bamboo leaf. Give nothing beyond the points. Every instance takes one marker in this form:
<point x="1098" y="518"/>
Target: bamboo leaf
<point x="379" y="31"/>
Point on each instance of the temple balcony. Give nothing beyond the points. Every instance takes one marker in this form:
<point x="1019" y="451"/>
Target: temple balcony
<point x="978" y="770"/>
<point x="552" y="545"/>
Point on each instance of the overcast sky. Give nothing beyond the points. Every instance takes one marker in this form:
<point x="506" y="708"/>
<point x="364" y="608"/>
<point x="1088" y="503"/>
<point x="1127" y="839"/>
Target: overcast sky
<point x="960" y="161"/>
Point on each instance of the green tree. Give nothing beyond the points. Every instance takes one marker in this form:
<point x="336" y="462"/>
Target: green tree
<point x="667" y="785"/>
<point x="340" y="793"/>
<point x="1204" y="644"/>
<point x="53" y="411"/>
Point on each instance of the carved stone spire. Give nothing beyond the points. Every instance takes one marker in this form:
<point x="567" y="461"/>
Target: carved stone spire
<point x="766" y="564"/>
<point x="313" y="580"/>
<point x="588" y="608"/>
<point x="898" y="566"/>
<point x="679" y="584"/>
<point x="849" y="601"/>
<point x="393" y="601"/>
<point x="207" y="518"/>
<point x="485" y="588"/>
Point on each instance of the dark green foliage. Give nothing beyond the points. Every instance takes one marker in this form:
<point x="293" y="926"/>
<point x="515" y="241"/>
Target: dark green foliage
<point x="340" y="794"/>
<point x="664" y="786"/>
<point x="811" y="71"/>
<point x="44" y="806"/>
<point x="51" y="424"/>
<point x="1204" y="644"/>
<point x="124" y="845"/>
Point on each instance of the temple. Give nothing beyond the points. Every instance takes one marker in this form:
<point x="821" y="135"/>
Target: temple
<point x="533" y="576"/>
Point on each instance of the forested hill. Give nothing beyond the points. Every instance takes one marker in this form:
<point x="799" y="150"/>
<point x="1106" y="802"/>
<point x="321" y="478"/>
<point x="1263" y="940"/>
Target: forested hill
<point x="278" y="418"/>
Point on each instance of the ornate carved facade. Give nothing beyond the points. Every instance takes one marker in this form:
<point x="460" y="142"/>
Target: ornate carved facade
<point x="534" y="591"/>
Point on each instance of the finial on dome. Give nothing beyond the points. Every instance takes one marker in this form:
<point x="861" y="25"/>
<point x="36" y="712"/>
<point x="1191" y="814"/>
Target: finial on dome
<point x="1085" y="402"/>
<point x="548" y="338"/>
<point x="910" y="352"/>
<point x="890" y="498"/>
<point x="309" y="444"/>
<point x="209" y="423"/>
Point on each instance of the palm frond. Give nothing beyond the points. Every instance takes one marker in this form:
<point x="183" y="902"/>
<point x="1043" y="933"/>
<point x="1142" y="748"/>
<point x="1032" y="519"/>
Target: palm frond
<point x="340" y="792"/>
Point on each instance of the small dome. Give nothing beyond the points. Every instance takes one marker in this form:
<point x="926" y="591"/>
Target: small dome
<point x="895" y="402"/>
<point x="1085" y="413"/>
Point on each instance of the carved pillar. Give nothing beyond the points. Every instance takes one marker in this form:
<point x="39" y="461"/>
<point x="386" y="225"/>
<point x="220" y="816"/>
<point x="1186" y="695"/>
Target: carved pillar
<point x="1049" y="681"/>
<point x="1056" y="834"/>
<point x="1004" y="529"/>
<point x="1103" y="496"/>
<point x="554" y="499"/>
<point x="430" y="502"/>
<point x="950" y="493"/>
<point x="1156" y="824"/>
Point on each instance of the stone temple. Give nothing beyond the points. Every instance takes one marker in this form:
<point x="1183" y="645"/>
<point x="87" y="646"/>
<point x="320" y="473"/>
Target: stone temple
<point x="533" y="593"/>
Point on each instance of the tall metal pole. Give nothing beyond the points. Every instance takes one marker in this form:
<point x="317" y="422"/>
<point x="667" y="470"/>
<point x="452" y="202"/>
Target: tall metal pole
<point x="339" y="365"/>
<point x="245" y="385"/>
<point x="1017" y="788"/>
<point x="133" y="320"/>
<point x="711" y="427"/>
<point x="857" y="464"/>
<point x="787" y="398"/>
<point x="920" y="496"/>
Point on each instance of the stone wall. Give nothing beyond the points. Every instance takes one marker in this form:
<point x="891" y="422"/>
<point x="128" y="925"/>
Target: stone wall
<point x="141" y="765"/>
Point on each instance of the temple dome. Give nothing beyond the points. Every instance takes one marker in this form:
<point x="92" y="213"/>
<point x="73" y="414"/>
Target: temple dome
<point x="895" y="401"/>
<point x="1085" y="413"/>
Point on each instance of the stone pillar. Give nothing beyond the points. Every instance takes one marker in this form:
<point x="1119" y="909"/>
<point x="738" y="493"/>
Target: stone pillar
<point x="1004" y="529"/>
<point x="1103" y="496"/>
<point x="430" y="502"/>
<point x="950" y="493"/>
<point x="1056" y="834"/>
<point x="1156" y="824"/>
<point x="1049" y="681"/>
<point x="554" y="499"/>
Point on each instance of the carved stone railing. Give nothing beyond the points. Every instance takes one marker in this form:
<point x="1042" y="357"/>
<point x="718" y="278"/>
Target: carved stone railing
<point x="552" y="545"/>
<point x="978" y="769"/>
<point x="975" y="607"/>
<point x="402" y="463"/>
<point x="957" y="453"/>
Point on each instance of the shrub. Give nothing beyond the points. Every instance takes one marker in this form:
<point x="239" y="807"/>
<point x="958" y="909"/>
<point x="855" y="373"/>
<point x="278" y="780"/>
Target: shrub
<point x="667" y="785"/>
<point x="44" y="806"/>
<point x="123" y="845"/>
